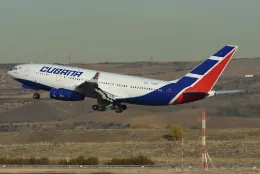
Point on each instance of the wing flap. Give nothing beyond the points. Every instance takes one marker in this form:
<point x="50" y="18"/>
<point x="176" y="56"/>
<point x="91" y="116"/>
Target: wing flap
<point x="91" y="86"/>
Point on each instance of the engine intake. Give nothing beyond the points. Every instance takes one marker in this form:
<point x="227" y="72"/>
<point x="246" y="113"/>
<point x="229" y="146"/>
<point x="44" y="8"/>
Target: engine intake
<point x="66" y="95"/>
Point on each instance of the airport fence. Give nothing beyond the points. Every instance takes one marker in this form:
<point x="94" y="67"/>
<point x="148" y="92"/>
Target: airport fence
<point x="85" y="166"/>
<point x="126" y="166"/>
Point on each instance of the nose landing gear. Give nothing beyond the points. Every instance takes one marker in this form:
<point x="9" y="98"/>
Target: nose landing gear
<point x="36" y="96"/>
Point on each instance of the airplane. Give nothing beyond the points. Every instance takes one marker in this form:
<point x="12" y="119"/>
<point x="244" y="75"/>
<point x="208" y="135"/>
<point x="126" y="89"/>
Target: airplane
<point x="116" y="90"/>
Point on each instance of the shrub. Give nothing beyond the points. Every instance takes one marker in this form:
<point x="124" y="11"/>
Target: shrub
<point x="139" y="160"/>
<point x="43" y="161"/>
<point x="92" y="161"/>
<point x="33" y="160"/>
<point x="62" y="162"/>
<point x="176" y="132"/>
<point x="3" y="161"/>
<point x="80" y="161"/>
<point x="15" y="161"/>
<point x="25" y="161"/>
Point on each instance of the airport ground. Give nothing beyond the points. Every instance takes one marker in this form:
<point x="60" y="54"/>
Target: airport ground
<point x="227" y="147"/>
<point x="126" y="171"/>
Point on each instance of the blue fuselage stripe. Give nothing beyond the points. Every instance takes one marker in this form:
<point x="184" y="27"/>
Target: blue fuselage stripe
<point x="34" y="85"/>
<point x="163" y="95"/>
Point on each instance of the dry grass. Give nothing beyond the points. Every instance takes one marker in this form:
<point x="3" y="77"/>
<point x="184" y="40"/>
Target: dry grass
<point x="155" y="150"/>
<point x="234" y="146"/>
<point x="124" y="135"/>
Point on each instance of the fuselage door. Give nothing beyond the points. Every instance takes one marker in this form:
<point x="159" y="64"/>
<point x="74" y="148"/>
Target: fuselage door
<point x="58" y="77"/>
<point x="26" y="71"/>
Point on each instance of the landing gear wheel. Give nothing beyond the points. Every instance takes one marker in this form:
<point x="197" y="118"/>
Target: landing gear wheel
<point x="101" y="108"/>
<point x="95" y="107"/>
<point x="124" y="107"/>
<point x="112" y="107"/>
<point x="36" y="96"/>
<point x="119" y="110"/>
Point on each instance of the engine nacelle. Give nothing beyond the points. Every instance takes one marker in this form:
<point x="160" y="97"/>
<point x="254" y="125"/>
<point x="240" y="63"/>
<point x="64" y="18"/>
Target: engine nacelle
<point x="66" y="95"/>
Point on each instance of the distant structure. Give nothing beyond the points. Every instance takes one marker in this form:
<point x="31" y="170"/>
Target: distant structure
<point x="249" y="76"/>
<point x="204" y="153"/>
<point x="151" y="59"/>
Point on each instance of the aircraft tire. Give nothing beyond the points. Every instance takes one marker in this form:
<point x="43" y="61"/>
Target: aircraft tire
<point x="101" y="108"/>
<point x="124" y="107"/>
<point x="36" y="96"/>
<point x="118" y="110"/>
<point x="112" y="107"/>
<point x="95" y="107"/>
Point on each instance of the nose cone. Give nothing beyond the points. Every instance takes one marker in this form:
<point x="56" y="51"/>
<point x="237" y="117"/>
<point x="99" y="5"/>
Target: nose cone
<point x="9" y="73"/>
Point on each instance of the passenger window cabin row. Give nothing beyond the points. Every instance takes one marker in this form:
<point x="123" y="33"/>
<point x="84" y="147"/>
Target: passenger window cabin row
<point x="119" y="85"/>
<point x="125" y="86"/>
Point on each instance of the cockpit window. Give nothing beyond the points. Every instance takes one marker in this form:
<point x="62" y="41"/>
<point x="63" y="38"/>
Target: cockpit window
<point x="14" y="68"/>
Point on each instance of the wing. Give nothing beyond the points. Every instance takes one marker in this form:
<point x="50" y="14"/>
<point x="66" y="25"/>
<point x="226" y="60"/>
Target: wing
<point x="91" y="86"/>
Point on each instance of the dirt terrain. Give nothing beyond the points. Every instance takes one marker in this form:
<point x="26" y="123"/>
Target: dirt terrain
<point x="125" y="170"/>
<point x="227" y="147"/>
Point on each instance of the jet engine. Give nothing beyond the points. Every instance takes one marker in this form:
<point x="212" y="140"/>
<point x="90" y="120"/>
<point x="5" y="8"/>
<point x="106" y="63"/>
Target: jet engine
<point x="66" y="95"/>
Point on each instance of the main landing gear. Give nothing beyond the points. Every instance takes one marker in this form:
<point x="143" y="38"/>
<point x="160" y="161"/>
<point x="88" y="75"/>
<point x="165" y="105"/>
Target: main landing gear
<point x="117" y="107"/>
<point x="36" y="96"/>
<point x="102" y="105"/>
<point x="98" y="108"/>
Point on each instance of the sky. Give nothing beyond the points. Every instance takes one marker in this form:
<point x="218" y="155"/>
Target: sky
<point x="90" y="31"/>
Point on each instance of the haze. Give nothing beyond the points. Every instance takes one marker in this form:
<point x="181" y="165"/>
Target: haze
<point x="124" y="31"/>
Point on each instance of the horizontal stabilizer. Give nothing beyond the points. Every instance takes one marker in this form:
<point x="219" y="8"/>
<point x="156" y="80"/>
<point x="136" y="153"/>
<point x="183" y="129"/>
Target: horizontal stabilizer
<point x="212" y="93"/>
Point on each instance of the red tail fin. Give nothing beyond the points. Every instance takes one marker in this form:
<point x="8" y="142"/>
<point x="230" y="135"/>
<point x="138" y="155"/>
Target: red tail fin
<point x="211" y="69"/>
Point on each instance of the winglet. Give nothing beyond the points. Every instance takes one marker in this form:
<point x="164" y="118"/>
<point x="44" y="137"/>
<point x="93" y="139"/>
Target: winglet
<point x="96" y="76"/>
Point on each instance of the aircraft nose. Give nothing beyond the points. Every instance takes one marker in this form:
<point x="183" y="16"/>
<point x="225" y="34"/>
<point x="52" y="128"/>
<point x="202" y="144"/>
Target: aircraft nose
<point x="9" y="73"/>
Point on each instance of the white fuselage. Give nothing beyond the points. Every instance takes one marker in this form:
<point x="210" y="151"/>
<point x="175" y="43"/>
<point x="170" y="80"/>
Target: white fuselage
<point x="116" y="84"/>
